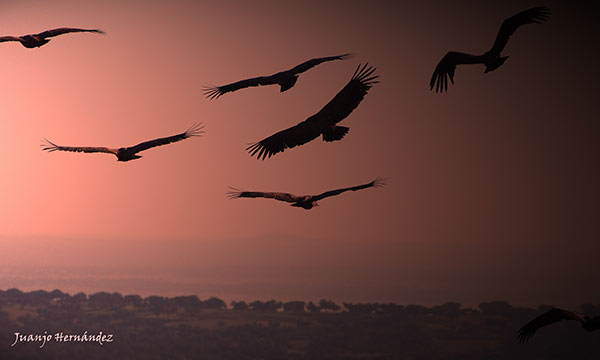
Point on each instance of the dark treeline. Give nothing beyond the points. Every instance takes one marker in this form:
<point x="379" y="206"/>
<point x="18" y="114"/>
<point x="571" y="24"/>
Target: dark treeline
<point x="186" y="327"/>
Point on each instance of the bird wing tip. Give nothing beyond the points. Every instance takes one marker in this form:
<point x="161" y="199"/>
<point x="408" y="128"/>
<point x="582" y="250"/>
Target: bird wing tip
<point x="233" y="193"/>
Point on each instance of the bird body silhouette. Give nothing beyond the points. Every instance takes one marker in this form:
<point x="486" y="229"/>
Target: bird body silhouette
<point x="555" y="315"/>
<point x="306" y="202"/>
<point x="126" y="153"/>
<point x="492" y="59"/>
<point x="322" y="123"/>
<point x="285" y="79"/>
<point x="37" y="40"/>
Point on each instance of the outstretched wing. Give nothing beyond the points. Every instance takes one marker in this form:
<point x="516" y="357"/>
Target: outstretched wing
<point x="285" y="139"/>
<point x="446" y="68"/>
<point x="314" y="62"/>
<point x="235" y="194"/>
<point x="50" y="147"/>
<point x="335" y="111"/>
<point x="348" y="98"/>
<point x="549" y="317"/>
<point x="194" y="130"/>
<point x="60" y="31"/>
<point x="216" y="91"/>
<point x="534" y="15"/>
<point x="378" y="182"/>
<point x="9" y="38"/>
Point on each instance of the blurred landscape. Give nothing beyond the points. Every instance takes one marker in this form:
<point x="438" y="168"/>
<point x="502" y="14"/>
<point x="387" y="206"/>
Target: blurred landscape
<point x="185" y="327"/>
<point x="490" y="216"/>
<point x="226" y="282"/>
<point x="293" y="267"/>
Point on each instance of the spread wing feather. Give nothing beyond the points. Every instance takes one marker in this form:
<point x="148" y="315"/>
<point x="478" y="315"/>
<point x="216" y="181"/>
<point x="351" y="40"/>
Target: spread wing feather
<point x="235" y="194"/>
<point x="509" y="26"/>
<point x="549" y="317"/>
<point x="314" y="62"/>
<point x="60" y="31"/>
<point x="335" y="111"/>
<point x="194" y="130"/>
<point x="285" y="139"/>
<point x="447" y="66"/>
<point x="50" y="147"/>
<point x="348" y="98"/>
<point x="378" y="182"/>
<point x="9" y="38"/>
<point x="216" y="91"/>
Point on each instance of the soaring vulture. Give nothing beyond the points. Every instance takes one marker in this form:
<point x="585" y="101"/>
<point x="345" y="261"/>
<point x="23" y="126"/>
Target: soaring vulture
<point x="323" y="122"/>
<point x="555" y="315"/>
<point x="127" y="153"/>
<point x="304" y="201"/>
<point x="286" y="79"/>
<point x="37" y="40"/>
<point x="491" y="59"/>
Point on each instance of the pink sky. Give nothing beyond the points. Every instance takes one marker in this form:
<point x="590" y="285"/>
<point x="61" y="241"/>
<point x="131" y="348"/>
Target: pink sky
<point x="493" y="186"/>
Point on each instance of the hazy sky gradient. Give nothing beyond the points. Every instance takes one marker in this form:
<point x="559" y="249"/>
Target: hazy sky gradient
<point x="493" y="190"/>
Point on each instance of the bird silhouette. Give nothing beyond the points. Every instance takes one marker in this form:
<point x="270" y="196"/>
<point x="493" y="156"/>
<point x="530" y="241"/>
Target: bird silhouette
<point x="491" y="59"/>
<point x="555" y="315"/>
<point x="323" y="122"/>
<point x="285" y="79"/>
<point x="37" y="40"/>
<point x="126" y="153"/>
<point x="304" y="201"/>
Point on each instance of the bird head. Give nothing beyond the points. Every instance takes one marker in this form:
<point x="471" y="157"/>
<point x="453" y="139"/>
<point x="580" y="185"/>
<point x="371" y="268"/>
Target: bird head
<point x="128" y="157"/>
<point x="288" y="83"/>
<point x="30" y="41"/>
<point x="305" y="204"/>
<point x="124" y="154"/>
<point x="495" y="64"/>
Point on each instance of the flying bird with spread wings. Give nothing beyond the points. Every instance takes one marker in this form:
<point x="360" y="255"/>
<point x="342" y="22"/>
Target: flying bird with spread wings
<point x="126" y="153"/>
<point x="304" y="201"/>
<point x="491" y="59"/>
<point x="285" y="79"/>
<point x="555" y="315"/>
<point x="37" y="40"/>
<point x="322" y="123"/>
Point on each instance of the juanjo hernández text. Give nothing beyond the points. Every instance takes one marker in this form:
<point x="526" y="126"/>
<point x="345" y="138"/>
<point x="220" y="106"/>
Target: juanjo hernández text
<point x="60" y="337"/>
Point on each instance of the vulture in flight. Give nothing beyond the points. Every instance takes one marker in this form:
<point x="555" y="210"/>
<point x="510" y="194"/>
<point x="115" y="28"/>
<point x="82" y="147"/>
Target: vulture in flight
<point x="305" y="201"/>
<point x="127" y="153"/>
<point x="491" y="59"/>
<point x="322" y="123"/>
<point x="285" y="79"/>
<point x="37" y="40"/>
<point x="555" y="315"/>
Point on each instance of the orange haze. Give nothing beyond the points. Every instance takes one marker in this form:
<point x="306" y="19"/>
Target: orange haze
<point x="493" y="190"/>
